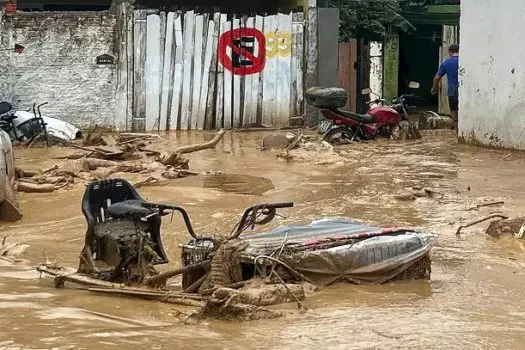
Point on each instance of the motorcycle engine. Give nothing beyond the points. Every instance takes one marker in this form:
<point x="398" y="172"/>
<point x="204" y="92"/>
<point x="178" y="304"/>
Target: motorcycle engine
<point x="124" y="252"/>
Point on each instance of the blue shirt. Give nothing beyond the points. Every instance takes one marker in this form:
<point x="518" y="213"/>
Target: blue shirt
<point x="450" y="68"/>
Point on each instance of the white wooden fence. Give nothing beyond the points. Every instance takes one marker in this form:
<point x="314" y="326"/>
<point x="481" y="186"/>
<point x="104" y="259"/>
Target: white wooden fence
<point x="206" y="71"/>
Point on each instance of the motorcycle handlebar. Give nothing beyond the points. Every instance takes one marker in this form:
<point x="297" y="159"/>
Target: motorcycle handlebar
<point x="280" y="205"/>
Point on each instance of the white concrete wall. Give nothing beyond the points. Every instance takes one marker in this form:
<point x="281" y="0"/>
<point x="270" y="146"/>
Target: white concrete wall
<point x="376" y="69"/>
<point x="58" y="64"/>
<point x="492" y="72"/>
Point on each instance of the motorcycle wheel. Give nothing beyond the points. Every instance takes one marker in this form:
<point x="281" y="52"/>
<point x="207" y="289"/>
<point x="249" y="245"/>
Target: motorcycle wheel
<point x="340" y="136"/>
<point x="40" y="141"/>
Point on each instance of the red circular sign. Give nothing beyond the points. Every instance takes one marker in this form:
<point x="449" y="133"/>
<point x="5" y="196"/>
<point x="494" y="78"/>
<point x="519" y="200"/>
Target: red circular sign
<point x="242" y="43"/>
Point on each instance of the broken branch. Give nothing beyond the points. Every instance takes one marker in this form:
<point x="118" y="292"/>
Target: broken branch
<point x="487" y="205"/>
<point x="494" y="216"/>
<point x="201" y="146"/>
<point x="163" y="277"/>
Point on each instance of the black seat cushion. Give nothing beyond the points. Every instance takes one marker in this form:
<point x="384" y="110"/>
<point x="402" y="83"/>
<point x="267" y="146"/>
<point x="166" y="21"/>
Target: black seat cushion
<point x="361" y="118"/>
<point x="5" y="107"/>
<point x="131" y="208"/>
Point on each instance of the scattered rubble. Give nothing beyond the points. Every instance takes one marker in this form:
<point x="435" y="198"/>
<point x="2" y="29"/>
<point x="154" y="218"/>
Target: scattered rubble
<point x="417" y="192"/>
<point x="110" y="154"/>
<point x="507" y="227"/>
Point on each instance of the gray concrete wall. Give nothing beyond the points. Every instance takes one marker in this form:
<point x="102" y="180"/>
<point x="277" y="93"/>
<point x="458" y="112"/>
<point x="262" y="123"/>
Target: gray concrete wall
<point x="328" y="46"/>
<point x="59" y="66"/>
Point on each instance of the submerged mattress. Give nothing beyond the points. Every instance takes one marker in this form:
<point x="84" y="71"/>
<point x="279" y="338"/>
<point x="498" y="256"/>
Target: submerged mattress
<point x="366" y="254"/>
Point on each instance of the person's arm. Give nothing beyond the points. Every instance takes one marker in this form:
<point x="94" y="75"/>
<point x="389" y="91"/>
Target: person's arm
<point x="437" y="79"/>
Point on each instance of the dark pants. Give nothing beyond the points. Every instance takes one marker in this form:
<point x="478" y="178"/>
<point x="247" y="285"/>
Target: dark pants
<point x="453" y="102"/>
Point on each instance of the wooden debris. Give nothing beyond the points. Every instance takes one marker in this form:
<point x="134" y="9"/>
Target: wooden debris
<point x="109" y="140"/>
<point x="164" y="296"/>
<point x="94" y="285"/>
<point x="491" y="204"/>
<point x="201" y="146"/>
<point x="21" y="173"/>
<point x="36" y="188"/>
<point x="161" y="279"/>
<point x="151" y="181"/>
<point x="493" y="216"/>
<point x="131" y="135"/>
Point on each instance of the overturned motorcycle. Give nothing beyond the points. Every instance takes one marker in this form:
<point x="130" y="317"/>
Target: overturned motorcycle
<point x="382" y="119"/>
<point x="30" y="126"/>
<point x="123" y="246"/>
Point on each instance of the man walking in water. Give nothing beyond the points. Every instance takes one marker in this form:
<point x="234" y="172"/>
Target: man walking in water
<point x="450" y="68"/>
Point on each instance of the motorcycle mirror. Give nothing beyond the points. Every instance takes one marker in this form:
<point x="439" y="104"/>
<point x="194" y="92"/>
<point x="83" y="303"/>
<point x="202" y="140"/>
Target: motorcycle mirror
<point x="366" y="91"/>
<point x="413" y="85"/>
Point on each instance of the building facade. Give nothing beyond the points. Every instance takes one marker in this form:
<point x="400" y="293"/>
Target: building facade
<point x="492" y="75"/>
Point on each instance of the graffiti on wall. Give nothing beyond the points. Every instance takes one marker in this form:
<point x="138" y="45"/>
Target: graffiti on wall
<point x="244" y="51"/>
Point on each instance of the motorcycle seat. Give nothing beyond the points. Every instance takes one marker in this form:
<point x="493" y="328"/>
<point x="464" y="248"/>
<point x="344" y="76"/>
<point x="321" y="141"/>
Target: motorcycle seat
<point x="361" y="118"/>
<point x="131" y="208"/>
<point x="5" y="107"/>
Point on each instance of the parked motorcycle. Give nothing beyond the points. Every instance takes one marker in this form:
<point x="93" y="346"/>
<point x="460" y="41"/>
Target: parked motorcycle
<point x="30" y="126"/>
<point x="380" y="121"/>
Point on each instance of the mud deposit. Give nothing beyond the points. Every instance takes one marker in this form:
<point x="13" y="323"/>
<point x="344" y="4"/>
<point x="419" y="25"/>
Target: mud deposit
<point x="475" y="299"/>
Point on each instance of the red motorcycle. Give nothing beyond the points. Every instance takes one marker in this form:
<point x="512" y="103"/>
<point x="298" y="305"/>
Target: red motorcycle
<point x="346" y="126"/>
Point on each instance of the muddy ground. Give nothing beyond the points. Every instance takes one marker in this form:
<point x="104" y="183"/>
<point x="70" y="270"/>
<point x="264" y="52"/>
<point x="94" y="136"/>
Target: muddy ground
<point x="474" y="300"/>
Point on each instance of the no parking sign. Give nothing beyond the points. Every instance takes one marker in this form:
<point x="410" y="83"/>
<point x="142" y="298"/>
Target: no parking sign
<point x="243" y="51"/>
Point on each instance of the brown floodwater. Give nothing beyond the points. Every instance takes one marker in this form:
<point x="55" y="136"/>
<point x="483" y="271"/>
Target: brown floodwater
<point x="475" y="299"/>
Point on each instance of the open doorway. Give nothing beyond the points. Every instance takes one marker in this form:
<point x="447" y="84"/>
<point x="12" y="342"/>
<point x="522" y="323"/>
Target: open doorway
<point x="419" y="61"/>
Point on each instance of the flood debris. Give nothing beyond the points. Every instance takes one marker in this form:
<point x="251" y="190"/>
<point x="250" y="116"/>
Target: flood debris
<point x="242" y="305"/>
<point x="120" y="153"/>
<point x="237" y="277"/>
<point x="281" y="140"/>
<point x="417" y="192"/>
<point x="507" y="227"/>
<point x="484" y="205"/>
<point x="490" y="217"/>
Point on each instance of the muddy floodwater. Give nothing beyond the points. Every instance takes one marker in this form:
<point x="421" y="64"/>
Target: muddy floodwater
<point x="475" y="300"/>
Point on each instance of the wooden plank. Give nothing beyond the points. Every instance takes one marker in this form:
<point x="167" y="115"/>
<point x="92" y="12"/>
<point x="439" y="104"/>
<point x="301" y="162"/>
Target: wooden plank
<point x="236" y="92"/>
<point x="212" y="77"/>
<point x="228" y="87"/>
<point x="197" y="71"/>
<point x="343" y="69"/>
<point x="139" y="83"/>
<point x="300" y="50"/>
<point x="130" y="52"/>
<point x="208" y="53"/>
<point x="297" y="72"/>
<point x="270" y="72"/>
<point x="284" y="74"/>
<point x="186" y="104"/>
<point x="242" y="76"/>
<point x="352" y="93"/>
<point x="163" y="19"/>
<point x="121" y="96"/>
<point x="312" y="56"/>
<point x="167" y="75"/>
<point x="249" y="115"/>
<point x="219" y="112"/>
<point x="258" y="83"/>
<point x="153" y="71"/>
<point x="174" y="121"/>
